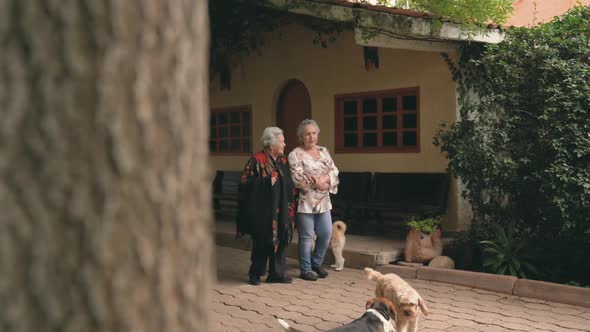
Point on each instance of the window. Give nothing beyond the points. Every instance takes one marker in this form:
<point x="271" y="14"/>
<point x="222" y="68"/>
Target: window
<point x="230" y="131"/>
<point x="384" y="121"/>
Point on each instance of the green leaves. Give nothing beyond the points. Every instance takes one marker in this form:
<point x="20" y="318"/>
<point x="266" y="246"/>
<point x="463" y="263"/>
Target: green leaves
<point x="473" y="15"/>
<point x="477" y="12"/>
<point x="507" y="254"/>
<point x="427" y="225"/>
<point x="522" y="147"/>
<point x="238" y="27"/>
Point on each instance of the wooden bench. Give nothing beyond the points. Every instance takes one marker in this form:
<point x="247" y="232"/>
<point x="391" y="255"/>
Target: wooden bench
<point x="225" y="193"/>
<point x="392" y="196"/>
<point x="353" y="193"/>
<point x="361" y="195"/>
<point x="419" y="194"/>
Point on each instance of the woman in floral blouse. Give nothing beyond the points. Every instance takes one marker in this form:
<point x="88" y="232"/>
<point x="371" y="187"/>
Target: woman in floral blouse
<point x="266" y="208"/>
<point x="315" y="174"/>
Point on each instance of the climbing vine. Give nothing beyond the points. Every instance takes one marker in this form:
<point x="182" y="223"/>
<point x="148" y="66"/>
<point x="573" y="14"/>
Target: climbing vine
<point x="522" y="146"/>
<point x="238" y="27"/>
<point x="470" y="13"/>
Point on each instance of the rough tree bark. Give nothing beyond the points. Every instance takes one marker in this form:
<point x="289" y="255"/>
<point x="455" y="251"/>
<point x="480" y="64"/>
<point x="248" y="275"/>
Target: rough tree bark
<point x="104" y="203"/>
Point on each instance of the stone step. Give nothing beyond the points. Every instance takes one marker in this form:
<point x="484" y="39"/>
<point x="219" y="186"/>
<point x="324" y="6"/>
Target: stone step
<point x="360" y="251"/>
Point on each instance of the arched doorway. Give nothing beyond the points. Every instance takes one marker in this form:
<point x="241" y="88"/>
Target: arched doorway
<point x="293" y="106"/>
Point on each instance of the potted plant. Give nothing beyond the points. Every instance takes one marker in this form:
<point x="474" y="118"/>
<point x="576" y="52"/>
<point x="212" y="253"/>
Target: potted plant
<point x="423" y="241"/>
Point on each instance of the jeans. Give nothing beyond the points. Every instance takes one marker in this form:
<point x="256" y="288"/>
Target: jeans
<point x="310" y="225"/>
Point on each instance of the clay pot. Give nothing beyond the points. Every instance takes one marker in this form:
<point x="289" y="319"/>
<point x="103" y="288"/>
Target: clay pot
<point x="422" y="247"/>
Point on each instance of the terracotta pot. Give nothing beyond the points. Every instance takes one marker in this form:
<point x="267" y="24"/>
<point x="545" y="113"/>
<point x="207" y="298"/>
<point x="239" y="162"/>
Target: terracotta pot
<point x="422" y="247"/>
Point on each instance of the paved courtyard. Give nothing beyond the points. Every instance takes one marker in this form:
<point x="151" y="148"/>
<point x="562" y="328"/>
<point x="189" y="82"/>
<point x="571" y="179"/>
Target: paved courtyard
<point x="340" y="298"/>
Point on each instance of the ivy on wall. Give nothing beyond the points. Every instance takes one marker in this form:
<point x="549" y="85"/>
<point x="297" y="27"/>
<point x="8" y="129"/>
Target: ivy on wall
<point x="470" y="13"/>
<point x="522" y="146"/>
<point x="238" y="27"/>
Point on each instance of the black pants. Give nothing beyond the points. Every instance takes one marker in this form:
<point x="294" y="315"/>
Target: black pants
<point x="263" y="253"/>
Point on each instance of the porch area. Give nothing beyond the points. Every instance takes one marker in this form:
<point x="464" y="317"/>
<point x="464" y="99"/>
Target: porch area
<point x="367" y="250"/>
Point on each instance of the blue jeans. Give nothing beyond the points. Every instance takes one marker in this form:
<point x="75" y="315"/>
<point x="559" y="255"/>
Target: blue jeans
<point x="308" y="226"/>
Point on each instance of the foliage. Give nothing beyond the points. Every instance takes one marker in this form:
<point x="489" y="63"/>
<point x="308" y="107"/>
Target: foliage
<point x="522" y="146"/>
<point x="427" y="225"/>
<point x="471" y="13"/>
<point x="238" y="27"/>
<point x="565" y="258"/>
<point x="507" y="254"/>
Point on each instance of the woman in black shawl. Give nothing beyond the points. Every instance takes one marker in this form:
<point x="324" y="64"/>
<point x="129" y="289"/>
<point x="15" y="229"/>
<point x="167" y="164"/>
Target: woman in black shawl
<point x="267" y="208"/>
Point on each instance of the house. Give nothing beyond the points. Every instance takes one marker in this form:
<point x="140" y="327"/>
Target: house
<point x="528" y="13"/>
<point x="378" y="92"/>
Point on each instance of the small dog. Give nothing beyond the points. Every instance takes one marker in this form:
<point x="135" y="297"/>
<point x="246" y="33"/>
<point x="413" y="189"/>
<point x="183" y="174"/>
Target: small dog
<point x="337" y="242"/>
<point x="406" y="300"/>
<point x="375" y="319"/>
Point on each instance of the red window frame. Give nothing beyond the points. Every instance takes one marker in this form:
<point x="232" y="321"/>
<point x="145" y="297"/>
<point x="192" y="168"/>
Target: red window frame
<point x="387" y="128"/>
<point x="230" y="131"/>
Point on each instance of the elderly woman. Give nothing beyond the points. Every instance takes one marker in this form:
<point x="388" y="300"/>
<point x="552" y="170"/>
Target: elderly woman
<point x="315" y="174"/>
<point x="266" y="208"/>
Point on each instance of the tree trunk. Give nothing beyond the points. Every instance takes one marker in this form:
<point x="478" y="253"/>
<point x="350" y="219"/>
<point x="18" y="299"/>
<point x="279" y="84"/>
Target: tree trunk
<point x="104" y="196"/>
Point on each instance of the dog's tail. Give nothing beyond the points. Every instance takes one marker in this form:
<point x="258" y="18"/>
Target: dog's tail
<point x="372" y="274"/>
<point x="286" y="326"/>
<point x="340" y="225"/>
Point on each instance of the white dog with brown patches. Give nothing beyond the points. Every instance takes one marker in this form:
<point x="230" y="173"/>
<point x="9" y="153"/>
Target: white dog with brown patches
<point x="380" y="312"/>
<point x="408" y="303"/>
<point x="337" y="243"/>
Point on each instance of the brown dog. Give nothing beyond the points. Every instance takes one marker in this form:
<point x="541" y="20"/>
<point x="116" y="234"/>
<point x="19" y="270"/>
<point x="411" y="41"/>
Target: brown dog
<point x="408" y="303"/>
<point x="375" y="319"/>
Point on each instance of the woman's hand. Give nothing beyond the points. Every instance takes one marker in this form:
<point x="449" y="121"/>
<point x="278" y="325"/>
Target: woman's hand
<point x="324" y="186"/>
<point x="321" y="182"/>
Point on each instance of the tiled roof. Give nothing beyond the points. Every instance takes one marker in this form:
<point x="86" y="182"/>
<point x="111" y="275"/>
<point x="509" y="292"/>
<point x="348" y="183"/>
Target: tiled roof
<point x="378" y="8"/>
<point x="526" y="12"/>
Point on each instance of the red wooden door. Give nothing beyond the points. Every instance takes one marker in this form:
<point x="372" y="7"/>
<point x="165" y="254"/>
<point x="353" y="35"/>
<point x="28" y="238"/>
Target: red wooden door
<point x="294" y="106"/>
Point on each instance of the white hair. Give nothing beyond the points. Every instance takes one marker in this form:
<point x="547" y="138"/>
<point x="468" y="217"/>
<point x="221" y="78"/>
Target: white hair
<point x="302" y="126"/>
<point x="270" y="136"/>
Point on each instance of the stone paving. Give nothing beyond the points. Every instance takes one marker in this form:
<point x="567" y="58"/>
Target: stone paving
<point x="340" y="298"/>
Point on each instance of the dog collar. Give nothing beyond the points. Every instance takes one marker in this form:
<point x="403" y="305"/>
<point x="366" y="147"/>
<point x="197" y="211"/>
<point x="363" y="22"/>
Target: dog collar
<point x="387" y="327"/>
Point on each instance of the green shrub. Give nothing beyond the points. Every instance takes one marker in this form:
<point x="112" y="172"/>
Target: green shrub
<point x="508" y="254"/>
<point x="522" y="146"/>
<point x="427" y="225"/>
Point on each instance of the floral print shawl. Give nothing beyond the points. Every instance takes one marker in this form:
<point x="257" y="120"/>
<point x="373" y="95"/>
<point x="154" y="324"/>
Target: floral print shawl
<point x="266" y="211"/>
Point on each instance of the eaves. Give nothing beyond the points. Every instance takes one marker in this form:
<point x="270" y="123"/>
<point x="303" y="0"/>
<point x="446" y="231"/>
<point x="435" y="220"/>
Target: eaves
<point x="396" y="28"/>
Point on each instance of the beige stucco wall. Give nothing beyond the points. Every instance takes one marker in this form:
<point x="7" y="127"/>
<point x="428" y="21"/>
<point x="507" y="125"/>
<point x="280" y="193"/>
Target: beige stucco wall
<point x="339" y="69"/>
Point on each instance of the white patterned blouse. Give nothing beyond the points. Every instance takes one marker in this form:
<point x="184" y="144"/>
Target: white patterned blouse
<point x="303" y="166"/>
